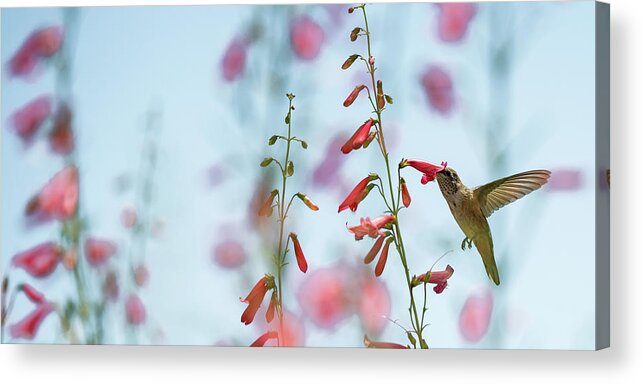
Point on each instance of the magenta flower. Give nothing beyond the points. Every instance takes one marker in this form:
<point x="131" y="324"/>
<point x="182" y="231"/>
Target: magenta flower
<point x="324" y="297"/>
<point x="453" y="20"/>
<point x="28" y="119"/>
<point x="58" y="199"/>
<point x="370" y="227"/>
<point x="41" y="44"/>
<point x="135" y="310"/>
<point x="358" y="194"/>
<point x="229" y="254"/>
<point x="40" y="261"/>
<point x="327" y="171"/>
<point x="32" y="294"/>
<point x="98" y="251"/>
<point x="438" y="88"/>
<point x="28" y="327"/>
<point x="306" y="37"/>
<point x="429" y="170"/>
<point x="439" y="278"/>
<point x="359" y="138"/>
<point x="233" y="63"/>
<point x="476" y="315"/>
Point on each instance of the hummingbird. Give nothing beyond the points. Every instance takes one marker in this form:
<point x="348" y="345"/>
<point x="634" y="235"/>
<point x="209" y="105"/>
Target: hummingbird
<point x="472" y="207"/>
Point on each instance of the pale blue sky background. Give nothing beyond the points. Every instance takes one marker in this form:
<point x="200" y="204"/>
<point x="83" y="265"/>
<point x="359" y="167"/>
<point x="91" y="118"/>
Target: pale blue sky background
<point x="130" y="60"/>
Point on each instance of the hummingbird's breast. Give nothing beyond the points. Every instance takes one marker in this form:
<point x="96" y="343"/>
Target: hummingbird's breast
<point x="467" y="213"/>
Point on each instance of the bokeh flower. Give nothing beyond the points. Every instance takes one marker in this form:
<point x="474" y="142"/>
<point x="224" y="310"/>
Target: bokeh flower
<point x="61" y="136"/>
<point x="438" y="88"/>
<point x="58" y="199"/>
<point x="28" y="326"/>
<point x="39" y="261"/>
<point x="453" y="20"/>
<point x="29" y="118"/>
<point x="374" y="305"/>
<point x="98" y="251"/>
<point x="229" y="254"/>
<point x="234" y="59"/>
<point x="306" y="37"/>
<point x="324" y="297"/>
<point x="41" y="44"/>
<point x="475" y="315"/>
<point x="135" y="312"/>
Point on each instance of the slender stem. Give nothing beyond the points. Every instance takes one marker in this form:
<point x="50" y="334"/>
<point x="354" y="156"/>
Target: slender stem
<point x="415" y="320"/>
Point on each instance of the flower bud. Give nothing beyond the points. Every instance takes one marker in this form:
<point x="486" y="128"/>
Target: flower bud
<point x="351" y="59"/>
<point x="266" y="162"/>
<point x="306" y="200"/>
<point x="353" y="95"/>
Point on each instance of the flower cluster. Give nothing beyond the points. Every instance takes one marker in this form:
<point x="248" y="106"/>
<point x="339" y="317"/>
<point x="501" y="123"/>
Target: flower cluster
<point x="277" y="200"/>
<point x="385" y="229"/>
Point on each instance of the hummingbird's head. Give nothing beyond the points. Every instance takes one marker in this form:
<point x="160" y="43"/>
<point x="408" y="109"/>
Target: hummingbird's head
<point x="448" y="181"/>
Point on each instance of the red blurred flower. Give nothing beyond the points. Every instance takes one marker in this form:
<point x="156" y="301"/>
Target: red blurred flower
<point x="358" y="194"/>
<point x="40" y="261"/>
<point x="33" y="295"/>
<point x="306" y="37"/>
<point x="41" y="44"/>
<point x="270" y="313"/>
<point x="475" y="316"/>
<point x="110" y="286"/>
<point x="359" y="137"/>
<point x="381" y="263"/>
<point x="453" y="20"/>
<point x="61" y="137"/>
<point x="261" y="340"/>
<point x="98" y="251"/>
<point x="31" y="116"/>
<point x="374" y="305"/>
<point x="439" y="278"/>
<point x="135" y="310"/>
<point x="290" y="332"/>
<point x="141" y="275"/>
<point x="370" y="227"/>
<point x="254" y="299"/>
<point x="229" y="254"/>
<point x="382" y="344"/>
<point x="70" y="259"/>
<point x="234" y="60"/>
<point x="429" y="170"/>
<point x="27" y="327"/>
<point x="438" y="88"/>
<point x="406" y="197"/>
<point x="58" y="199"/>
<point x="324" y="298"/>
<point x="564" y="180"/>
<point x="299" y="254"/>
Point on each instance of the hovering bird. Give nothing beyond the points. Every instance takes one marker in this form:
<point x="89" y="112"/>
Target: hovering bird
<point x="472" y="207"/>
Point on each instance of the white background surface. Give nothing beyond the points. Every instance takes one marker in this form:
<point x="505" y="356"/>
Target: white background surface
<point x="620" y="363"/>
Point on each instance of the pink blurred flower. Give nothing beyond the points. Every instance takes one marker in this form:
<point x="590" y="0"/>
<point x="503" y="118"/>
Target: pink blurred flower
<point x="110" y="286"/>
<point x="326" y="172"/>
<point x="41" y="44"/>
<point x="28" y="326"/>
<point x="293" y="332"/>
<point x="429" y="170"/>
<point x="453" y="20"/>
<point x="229" y="254"/>
<point x="306" y="37"/>
<point x="141" y="275"/>
<point x="216" y="175"/>
<point x="324" y="297"/>
<point x="135" y="310"/>
<point x="32" y="294"/>
<point x="31" y="116"/>
<point x="233" y="63"/>
<point x="129" y="217"/>
<point x="370" y="227"/>
<point x="374" y="305"/>
<point x="565" y="180"/>
<point x="475" y="315"/>
<point x="438" y="88"/>
<point x="40" y="261"/>
<point x="58" y="199"/>
<point x="61" y="137"/>
<point x="98" y="251"/>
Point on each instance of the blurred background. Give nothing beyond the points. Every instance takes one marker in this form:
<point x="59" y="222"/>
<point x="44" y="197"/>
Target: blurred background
<point x="163" y="114"/>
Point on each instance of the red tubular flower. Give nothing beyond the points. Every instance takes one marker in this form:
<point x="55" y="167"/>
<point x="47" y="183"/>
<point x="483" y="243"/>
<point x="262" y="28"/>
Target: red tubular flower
<point x="358" y="194"/>
<point x="40" y="261"/>
<point x="429" y="170"/>
<point x="270" y="313"/>
<point x="381" y="263"/>
<point x="30" y="117"/>
<point x="382" y="344"/>
<point x="33" y="295"/>
<point x="61" y="137"/>
<point x="98" y="251"/>
<point x="261" y="341"/>
<point x="406" y="197"/>
<point x="58" y="199"/>
<point x="439" y="278"/>
<point x="41" y="44"/>
<point x="353" y="95"/>
<point x="453" y="20"/>
<point x="370" y="256"/>
<point x="359" y="137"/>
<point x="135" y="310"/>
<point x="370" y="227"/>
<point x="299" y="254"/>
<point x="27" y="327"/>
<point x="254" y="299"/>
<point x="306" y="37"/>
<point x="234" y="60"/>
<point x="438" y="88"/>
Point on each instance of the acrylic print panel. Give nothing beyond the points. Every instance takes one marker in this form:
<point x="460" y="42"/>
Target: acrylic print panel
<point x="173" y="175"/>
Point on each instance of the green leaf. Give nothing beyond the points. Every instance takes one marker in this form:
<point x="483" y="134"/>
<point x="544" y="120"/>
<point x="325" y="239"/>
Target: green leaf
<point x="266" y="162"/>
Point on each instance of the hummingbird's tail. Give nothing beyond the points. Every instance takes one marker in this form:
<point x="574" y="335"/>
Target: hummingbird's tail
<point x="484" y="244"/>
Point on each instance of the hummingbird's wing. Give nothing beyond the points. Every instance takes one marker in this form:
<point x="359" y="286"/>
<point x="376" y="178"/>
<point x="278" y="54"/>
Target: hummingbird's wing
<point x="497" y="194"/>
